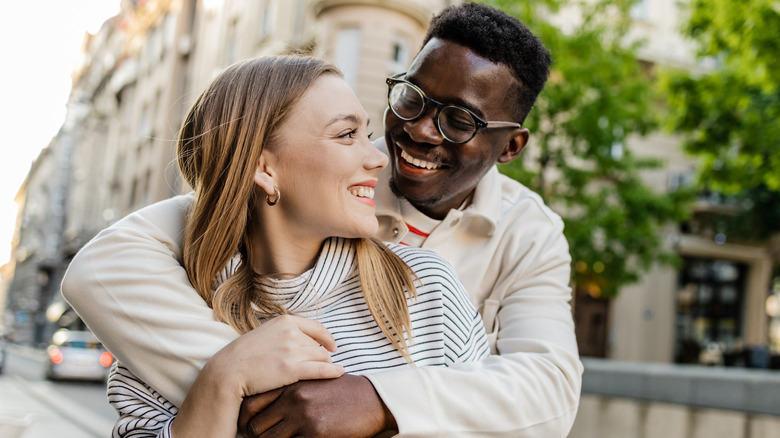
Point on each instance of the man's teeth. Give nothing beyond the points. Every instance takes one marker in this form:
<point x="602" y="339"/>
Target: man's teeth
<point x="417" y="162"/>
<point x="362" y="191"/>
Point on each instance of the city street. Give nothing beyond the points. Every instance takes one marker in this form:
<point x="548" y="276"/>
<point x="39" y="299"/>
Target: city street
<point x="32" y="407"/>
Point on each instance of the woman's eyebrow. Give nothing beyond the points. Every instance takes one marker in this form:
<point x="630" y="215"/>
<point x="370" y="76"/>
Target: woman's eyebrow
<point x="354" y="118"/>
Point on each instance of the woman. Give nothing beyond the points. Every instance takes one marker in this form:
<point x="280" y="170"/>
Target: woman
<point x="283" y="172"/>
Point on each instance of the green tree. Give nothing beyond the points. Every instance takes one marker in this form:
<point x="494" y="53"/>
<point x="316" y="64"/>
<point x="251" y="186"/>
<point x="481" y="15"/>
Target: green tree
<point x="730" y="115"/>
<point x="579" y="160"/>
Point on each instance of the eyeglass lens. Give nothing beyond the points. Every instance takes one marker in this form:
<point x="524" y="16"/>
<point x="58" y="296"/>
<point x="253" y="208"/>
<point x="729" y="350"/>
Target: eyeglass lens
<point x="454" y="123"/>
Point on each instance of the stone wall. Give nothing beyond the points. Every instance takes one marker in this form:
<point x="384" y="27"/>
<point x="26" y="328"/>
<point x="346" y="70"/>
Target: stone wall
<point x="649" y="400"/>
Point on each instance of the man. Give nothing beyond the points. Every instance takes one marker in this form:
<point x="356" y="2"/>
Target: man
<point x="477" y="65"/>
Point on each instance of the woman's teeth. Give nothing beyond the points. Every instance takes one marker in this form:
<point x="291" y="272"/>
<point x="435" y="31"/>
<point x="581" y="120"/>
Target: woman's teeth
<point x="417" y="162"/>
<point x="362" y="192"/>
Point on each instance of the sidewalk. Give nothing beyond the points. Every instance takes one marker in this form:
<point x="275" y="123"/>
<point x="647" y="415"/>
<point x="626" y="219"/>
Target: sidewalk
<point x="35" y="410"/>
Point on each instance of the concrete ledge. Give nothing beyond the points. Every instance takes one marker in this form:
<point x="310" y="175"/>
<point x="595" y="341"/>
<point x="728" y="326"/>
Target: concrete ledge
<point x="737" y="389"/>
<point x="614" y="417"/>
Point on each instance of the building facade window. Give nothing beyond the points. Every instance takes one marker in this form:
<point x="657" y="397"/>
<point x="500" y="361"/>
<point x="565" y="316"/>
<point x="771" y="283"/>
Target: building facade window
<point x="231" y="42"/>
<point x="639" y="10"/>
<point x="709" y="305"/>
<point x="169" y="31"/>
<point x="399" y="58"/>
<point x="347" y="54"/>
<point x="268" y="19"/>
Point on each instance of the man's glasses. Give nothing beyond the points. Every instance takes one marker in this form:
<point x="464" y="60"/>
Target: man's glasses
<point x="456" y="124"/>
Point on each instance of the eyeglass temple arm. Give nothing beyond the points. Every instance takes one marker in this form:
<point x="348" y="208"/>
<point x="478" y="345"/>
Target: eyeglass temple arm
<point x="503" y="125"/>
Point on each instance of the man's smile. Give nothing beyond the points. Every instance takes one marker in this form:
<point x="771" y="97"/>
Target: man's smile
<point x="417" y="162"/>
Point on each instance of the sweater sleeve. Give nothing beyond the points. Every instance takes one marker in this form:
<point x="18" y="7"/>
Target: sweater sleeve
<point x="143" y="412"/>
<point x="129" y="287"/>
<point x="464" y="334"/>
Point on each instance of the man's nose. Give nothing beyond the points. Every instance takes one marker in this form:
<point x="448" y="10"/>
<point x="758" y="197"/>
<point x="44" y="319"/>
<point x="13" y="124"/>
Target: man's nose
<point x="423" y="129"/>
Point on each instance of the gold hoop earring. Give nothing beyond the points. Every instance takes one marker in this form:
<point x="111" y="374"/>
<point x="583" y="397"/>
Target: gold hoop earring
<point x="273" y="201"/>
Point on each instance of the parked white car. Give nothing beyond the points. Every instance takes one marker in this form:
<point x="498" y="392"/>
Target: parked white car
<point x="77" y="355"/>
<point x="3" y="348"/>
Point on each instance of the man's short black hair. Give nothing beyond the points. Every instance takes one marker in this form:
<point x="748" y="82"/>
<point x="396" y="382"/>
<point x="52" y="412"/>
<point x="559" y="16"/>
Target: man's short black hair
<point x="500" y="38"/>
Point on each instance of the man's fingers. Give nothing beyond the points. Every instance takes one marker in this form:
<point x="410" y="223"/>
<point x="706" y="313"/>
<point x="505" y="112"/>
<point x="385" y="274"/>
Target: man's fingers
<point x="282" y="429"/>
<point x="252" y="405"/>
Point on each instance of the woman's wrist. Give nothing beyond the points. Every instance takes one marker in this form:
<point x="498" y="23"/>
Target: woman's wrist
<point x="211" y="406"/>
<point x="217" y="380"/>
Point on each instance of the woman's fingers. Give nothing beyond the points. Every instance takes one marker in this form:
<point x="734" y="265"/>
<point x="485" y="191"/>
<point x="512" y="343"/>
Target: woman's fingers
<point x="285" y="365"/>
<point x="308" y="363"/>
<point x="314" y="330"/>
<point x="315" y="370"/>
<point x="281" y="351"/>
<point x="293" y="330"/>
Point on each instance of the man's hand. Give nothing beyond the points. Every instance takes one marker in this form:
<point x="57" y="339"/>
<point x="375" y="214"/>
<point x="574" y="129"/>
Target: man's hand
<point x="347" y="406"/>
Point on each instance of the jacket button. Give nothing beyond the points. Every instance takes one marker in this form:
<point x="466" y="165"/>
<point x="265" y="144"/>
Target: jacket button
<point x="395" y="232"/>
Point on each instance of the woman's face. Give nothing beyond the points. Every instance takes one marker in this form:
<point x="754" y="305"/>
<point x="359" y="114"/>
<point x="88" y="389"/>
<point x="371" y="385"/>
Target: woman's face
<point x="325" y="165"/>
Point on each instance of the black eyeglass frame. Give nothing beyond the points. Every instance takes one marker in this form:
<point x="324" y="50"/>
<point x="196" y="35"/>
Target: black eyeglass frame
<point x="479" y="122"/>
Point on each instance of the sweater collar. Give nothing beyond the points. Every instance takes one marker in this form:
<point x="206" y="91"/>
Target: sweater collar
<point x="301" y="293"/>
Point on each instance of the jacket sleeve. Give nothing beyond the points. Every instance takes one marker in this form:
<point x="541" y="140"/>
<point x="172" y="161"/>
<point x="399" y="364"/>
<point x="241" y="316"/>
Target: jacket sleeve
<point x="531" y="389"/>
<point x="129" y="287"/>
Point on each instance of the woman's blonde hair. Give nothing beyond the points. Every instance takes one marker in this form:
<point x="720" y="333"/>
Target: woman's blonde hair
<point x="219" y="146"/>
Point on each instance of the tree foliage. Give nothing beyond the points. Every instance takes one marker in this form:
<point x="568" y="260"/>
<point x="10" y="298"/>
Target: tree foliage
<point x="730" y="115"/>
<point x="579" y="159"/>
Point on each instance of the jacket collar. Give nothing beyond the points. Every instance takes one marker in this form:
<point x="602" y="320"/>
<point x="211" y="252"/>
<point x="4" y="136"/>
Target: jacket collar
<point x="482" y="214"/>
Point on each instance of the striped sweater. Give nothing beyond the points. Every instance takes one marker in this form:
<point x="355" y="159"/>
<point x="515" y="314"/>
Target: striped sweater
<point x="446" y="328"/>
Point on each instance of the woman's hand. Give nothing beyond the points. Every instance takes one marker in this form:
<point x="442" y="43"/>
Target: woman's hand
<point x="279" y="352"/>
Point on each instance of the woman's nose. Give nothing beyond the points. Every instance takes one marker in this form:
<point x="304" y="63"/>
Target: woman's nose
<point x="376" y="159"/>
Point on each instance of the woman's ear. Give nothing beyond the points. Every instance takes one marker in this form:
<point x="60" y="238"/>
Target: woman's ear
<point x="264" y="178"/>
<point x="515" y="146"/>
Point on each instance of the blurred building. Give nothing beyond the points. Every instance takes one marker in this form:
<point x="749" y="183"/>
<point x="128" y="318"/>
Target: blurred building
<point x="712" y="309"/>
<point x="144" y="68"/>
<point x="39" y="265"/>
<point x="137" y="78"/>
<point x="6" y="317"/>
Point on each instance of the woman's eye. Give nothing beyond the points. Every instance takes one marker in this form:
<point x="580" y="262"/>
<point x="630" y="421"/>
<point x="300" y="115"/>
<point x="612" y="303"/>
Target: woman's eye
<point x="349" y="134"/>
<point x="370" y="134"/>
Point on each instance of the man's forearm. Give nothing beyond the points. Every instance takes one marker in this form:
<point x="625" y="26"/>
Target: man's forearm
<point x="130" y="289"/>
<point x="517" y="395"/>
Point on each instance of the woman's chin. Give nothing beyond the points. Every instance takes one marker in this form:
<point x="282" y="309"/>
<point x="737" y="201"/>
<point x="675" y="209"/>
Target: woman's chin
<point x="362" y="232"/>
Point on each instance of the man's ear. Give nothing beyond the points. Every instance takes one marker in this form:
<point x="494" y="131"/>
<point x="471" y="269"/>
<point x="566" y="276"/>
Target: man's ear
<point x="514" y="146"/>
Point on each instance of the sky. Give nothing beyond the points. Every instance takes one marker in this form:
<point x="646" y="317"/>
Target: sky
<point x="40" y="41"/>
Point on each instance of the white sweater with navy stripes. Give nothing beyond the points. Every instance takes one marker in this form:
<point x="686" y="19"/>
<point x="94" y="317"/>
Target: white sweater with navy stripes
<point x="446" y="328"/>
